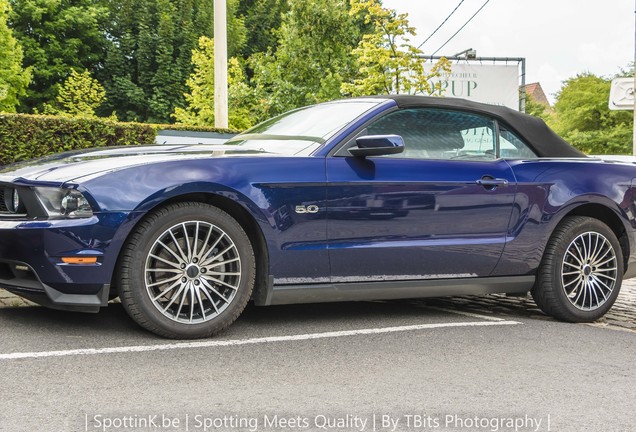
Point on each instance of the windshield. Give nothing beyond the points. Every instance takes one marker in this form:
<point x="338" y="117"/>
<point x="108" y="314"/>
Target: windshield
<point x="302" y="131"/>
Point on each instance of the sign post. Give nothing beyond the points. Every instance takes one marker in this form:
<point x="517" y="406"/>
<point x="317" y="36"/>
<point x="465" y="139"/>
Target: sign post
<point x="220" y="65"/>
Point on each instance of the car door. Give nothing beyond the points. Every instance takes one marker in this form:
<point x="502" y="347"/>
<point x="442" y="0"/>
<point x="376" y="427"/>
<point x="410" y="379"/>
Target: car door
<point x="440" y="209"/>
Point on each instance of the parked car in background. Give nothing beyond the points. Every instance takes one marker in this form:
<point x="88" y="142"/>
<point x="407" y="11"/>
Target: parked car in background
<point x="385" y="197"/>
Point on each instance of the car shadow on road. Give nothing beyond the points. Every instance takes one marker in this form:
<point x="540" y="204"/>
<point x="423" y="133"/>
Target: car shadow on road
<point x="107" y="321"/>
<point x="259" y="321"/>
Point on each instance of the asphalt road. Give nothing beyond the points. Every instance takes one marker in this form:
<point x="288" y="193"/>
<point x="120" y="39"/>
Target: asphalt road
<point x="333" y="367"/>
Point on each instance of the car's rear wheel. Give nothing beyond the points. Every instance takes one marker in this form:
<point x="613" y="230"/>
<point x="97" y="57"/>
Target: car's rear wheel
<point x="581" y="271"/>
<point x="187" y="271"/>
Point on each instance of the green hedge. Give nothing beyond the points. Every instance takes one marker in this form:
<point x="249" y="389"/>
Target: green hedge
<point x="24" y="136"/>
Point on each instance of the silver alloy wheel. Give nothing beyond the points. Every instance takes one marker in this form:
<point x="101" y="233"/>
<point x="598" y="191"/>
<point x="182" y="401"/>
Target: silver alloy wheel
<point x="192" y="272"/>
<point x="589" y="271"/>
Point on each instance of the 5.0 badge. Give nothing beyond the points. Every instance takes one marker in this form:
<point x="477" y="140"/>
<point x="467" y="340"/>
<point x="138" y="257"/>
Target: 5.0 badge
<point x="312" y="208"/>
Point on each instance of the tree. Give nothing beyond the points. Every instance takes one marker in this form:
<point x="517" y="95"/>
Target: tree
<point x="167" y="81"/>
<point x="262" y="19"/>
<point x="242" y="100"/>
<point x="537" y="109"/>
<point x="80" y="95"/>
<point x="313" y="57"/>
<point x="58" y="36"/>
<point x="148" y="58"/>
<point x="236" y="31"/>
<point x="387" y="62"/>
<point x="584" y="119"/>
<point x="14" y="79"/>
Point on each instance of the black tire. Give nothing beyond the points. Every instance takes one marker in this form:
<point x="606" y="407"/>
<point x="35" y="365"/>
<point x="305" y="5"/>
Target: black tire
<point x="567" y="286"/>
<point x="155" y="258"/>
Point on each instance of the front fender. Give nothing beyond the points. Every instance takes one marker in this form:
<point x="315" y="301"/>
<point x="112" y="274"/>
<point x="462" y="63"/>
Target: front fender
<point x="174" y="193"/>
<point x="269" y="189"/>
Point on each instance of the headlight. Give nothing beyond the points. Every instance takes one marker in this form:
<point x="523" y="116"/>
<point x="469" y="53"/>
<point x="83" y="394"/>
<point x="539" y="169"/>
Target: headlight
<point x="64" y="202"/>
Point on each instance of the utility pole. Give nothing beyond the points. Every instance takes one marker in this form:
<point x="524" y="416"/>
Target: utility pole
<point x="634" y="88"/>
<point x="220" y="64"/>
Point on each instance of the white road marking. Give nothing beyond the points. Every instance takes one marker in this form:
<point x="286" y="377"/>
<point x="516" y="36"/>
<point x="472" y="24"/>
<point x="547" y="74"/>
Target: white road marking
<point x="468" y="314"/>
<point x="239" y="342"/>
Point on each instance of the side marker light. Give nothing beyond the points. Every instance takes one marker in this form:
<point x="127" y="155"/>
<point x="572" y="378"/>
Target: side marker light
<point x="79" y="260"/>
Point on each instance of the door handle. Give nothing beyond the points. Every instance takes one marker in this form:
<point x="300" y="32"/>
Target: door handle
<point x="491" y="183"/>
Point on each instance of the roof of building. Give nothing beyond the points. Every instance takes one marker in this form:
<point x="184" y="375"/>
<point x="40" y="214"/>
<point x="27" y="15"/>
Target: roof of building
<point x="536" y="92"/>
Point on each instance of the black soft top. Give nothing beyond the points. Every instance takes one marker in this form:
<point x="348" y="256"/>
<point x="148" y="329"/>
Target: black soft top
<point x="543" y="140"/>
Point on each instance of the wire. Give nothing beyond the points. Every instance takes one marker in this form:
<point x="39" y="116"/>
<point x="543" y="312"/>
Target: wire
<point x="443" y="22"/>
<point x="462" y="27"/>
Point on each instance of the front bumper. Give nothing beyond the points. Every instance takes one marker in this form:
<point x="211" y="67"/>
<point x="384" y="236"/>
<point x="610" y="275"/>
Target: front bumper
<point x="31" y="263"/>
<point x="20" y="279"/>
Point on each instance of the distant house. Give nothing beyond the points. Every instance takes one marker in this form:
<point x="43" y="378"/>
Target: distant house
<point x="535" y="91"/>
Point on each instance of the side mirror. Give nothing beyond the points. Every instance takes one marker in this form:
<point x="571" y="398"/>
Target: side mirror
<point x="377" y="145"/>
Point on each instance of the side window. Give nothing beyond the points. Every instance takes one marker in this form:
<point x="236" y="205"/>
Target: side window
<point x="439" y="134"/>
<point x="512" y="147"/>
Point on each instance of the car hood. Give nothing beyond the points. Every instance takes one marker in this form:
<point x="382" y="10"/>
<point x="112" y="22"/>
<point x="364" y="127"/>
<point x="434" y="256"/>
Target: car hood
<point x="75" y="165"/>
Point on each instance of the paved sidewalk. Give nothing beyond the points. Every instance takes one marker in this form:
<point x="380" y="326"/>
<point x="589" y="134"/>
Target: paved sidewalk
<point x="621" y="317"/>
<point x="11" y="300"/>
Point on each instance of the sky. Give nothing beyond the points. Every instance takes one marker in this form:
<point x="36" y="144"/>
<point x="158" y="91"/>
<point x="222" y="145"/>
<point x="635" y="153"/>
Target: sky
<point x="558" y="38"/>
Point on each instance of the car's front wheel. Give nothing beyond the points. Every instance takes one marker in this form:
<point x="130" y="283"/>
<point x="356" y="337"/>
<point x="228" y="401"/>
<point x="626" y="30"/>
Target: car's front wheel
<point x="581" y="271"/>
<point x="187" y="271"/>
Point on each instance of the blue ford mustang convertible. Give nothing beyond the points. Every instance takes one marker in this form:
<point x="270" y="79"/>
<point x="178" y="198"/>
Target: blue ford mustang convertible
<point x="371" y="198"/>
